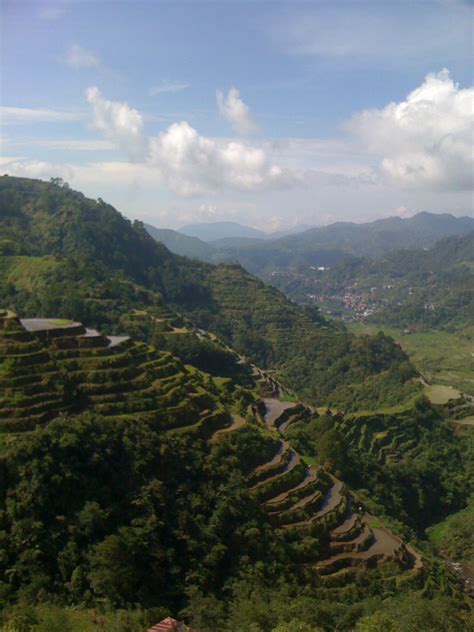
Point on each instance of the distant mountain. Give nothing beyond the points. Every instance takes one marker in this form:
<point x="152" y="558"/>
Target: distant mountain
<point x="374" y="239"/>
<point x="331" y="244"/>
<point x="181" y="244"/>
<point x="235" y="242"/>
<point x="216" y="232"/>
<point x="220" y="230"/>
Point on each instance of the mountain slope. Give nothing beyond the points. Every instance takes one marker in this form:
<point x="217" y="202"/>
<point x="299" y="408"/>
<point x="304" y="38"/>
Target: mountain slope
<point x="168" y="484"/>
<point x="181" y="244"/>
<point x="328" y="245"/>
<point x="220" y="230"/>
<point x="106" y="265"/>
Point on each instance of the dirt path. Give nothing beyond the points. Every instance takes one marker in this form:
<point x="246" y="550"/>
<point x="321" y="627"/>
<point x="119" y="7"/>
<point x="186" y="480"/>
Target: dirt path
<point x="237" y="421"/>
<point x="274" y="408"/>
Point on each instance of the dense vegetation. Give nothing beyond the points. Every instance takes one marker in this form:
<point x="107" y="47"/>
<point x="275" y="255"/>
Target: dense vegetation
<point x="72" y="257"/>
<point x="405" y="288"/>
<point x="160" y="488"/>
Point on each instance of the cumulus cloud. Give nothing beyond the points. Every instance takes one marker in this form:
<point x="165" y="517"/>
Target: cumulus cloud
<point x="78" y="57"/>
<point x="234" y="110"/>
<point x="192" y="164"/>
<point x="424" y="141"/>
<point x="186" y="162"/>
<point x="119" y="123"/>
<point x="168" y="86"/>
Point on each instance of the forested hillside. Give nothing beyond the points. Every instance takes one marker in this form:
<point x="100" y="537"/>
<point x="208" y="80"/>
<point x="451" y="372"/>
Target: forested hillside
<point x="178" y="490"/>
<point x="180" y="244"/>
<point x="68" y="256"/>
<point x="408" y="288"/>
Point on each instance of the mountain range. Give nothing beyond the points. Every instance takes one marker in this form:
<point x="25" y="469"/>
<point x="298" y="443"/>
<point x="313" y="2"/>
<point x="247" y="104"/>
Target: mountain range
<point x="321" y="246"/>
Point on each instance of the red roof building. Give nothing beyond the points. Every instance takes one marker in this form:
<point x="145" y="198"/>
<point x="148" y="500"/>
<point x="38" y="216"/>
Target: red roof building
<point x="169" y="625"/>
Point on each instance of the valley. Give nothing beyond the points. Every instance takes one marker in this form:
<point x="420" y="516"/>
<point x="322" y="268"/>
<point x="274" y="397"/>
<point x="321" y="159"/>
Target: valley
<point x="178" y="438"/>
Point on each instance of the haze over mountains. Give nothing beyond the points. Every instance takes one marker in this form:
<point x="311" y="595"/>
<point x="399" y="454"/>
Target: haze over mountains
<point x="262" y="253"/>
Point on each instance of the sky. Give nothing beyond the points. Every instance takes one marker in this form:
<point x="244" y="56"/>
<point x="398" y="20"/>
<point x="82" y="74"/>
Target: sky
<point x="272" y="114"/>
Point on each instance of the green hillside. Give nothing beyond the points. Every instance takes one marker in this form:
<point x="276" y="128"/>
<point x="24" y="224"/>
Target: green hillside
<point x="143" y="437"/>
<point x="167" y="445"/>
<point x="51" y="365"/>
<point x="182" y="244"/>
<point x="107" y="266"/>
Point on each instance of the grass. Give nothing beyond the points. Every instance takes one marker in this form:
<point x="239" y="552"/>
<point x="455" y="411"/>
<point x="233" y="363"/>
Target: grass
<point x="441" y="394"/>
<point x="387" y="410"/>
<point x="454" y="535"/>
<point x="24" y="271"/>
<point x="376" y="523"/>
<point x="467" y="421"/>
<point x="287" y="397"/>
<point x="60" y="322"/>
<point x="444" y="358"/>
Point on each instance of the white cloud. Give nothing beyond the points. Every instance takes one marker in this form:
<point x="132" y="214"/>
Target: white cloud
<point x="234" y="110"/>
<point x="36" y="169"/>
<point x="404" y="212"/>
<point x="78" y="57"/>
<point x="424" y="141"/>
<point x="36" y="115"/>
<point x="192" y="164"/>
<point x="187" y="163"/>
<point x="120" y="124"/>
<point x="168" y="86"/>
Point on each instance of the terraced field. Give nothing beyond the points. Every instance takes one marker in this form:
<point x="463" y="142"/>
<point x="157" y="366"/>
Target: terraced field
<point x="51" y="366"/>
<point x="309" y="501"/>
<point x="380" y="436"/>
<point x="33" y="385"/>
<point x="263" y="309"/>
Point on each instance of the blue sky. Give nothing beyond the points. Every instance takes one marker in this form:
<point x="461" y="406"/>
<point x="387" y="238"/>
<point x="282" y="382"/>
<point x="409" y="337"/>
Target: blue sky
<point x="269" y="113"/>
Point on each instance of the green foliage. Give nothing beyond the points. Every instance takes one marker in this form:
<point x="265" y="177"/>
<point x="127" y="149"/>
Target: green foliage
<point x="415" y="614"/>
<point x="454" y="534"/>
<point x="426" y="477"/>
<point x="114" y="509"/>
<point x="106" y="266"/>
